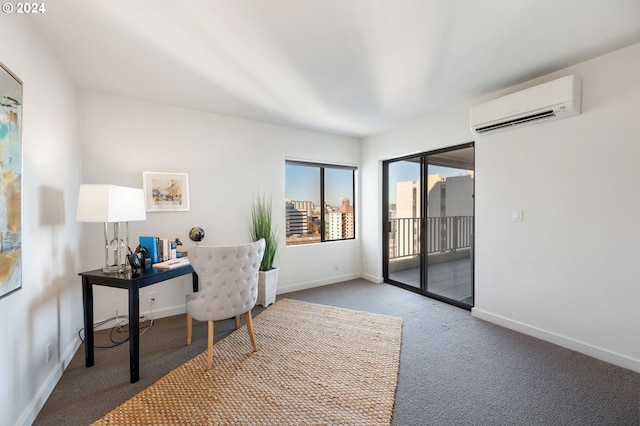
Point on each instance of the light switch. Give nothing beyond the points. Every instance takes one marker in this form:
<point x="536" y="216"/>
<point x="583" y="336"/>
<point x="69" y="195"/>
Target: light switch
<point x="517" y="215"/>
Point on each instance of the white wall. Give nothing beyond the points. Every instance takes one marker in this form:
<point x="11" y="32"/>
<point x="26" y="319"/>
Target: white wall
<point x="228" y="160"/>
<point x="48" y="308"/>
<point x="569" y="272"/>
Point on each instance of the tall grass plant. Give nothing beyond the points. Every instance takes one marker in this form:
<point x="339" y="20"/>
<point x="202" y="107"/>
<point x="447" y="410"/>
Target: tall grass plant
<point x="261" y="226"/>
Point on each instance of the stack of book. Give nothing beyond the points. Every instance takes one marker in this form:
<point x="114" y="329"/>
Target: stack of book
<point x="159" y="249"/>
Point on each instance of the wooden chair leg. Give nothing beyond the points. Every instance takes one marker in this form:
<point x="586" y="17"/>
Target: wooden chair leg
<point x="209" y="344"/>
<point x="247" y="317"/>
<point x="237" y="322"/>
<point x="189" y="329"/>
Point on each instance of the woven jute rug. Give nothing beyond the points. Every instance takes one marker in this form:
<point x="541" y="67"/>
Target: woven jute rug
<point x="315" y="365"/>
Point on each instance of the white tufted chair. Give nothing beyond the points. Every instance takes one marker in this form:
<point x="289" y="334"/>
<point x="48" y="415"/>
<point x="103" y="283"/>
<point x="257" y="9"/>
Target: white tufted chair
<point x="228" y="284"/>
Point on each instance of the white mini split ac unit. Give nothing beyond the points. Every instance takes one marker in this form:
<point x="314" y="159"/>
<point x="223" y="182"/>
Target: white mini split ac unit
<point x="549" y="101"/>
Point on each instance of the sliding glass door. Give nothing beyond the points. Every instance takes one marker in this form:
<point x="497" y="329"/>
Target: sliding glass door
<point x="403" y="221"/>
<point x="449" y="225"/>
<point x="428" y="216"/>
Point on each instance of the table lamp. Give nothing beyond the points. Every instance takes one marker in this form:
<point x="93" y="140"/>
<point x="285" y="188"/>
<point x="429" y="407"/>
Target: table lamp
<point x="116" y="205"/>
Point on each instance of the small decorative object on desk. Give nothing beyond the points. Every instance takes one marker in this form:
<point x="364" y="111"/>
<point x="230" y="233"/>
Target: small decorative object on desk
<point x="179" y="253"/>
<point x="196" y="234"/>
<point x="138" y="258"/>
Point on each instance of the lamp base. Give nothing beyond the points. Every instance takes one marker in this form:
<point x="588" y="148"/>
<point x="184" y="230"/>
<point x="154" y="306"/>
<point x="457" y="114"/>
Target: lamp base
<point x="115" y="269"/>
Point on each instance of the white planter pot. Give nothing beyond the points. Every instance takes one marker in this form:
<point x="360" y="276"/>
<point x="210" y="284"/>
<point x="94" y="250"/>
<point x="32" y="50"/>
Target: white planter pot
<point x="267" y="286"/>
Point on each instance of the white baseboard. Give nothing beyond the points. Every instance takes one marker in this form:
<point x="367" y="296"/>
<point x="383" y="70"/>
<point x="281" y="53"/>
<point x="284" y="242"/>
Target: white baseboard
<point x="168" y="312"/>
<point x="318" y="283"/>
<point x="50" y="383"/>
<point x="557" y="339"/>
<point x="372" y="278"/>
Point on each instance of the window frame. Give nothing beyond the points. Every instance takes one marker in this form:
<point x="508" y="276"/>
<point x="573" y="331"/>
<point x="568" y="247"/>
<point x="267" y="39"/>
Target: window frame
<point x="323" y="220"/>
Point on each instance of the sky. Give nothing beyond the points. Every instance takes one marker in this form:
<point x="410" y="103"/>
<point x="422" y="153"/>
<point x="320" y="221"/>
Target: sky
<point x="302" y="183"/>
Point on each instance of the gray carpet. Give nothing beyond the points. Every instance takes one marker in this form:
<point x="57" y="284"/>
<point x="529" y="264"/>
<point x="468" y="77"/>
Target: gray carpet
<point x="454" y="369"/>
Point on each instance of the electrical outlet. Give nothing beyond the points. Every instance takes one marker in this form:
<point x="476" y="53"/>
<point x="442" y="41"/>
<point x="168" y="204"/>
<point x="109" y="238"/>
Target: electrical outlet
<point x="152" y="297"/>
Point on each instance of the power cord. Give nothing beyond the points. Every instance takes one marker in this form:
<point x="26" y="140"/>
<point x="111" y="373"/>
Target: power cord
<point x="120" y="327"/>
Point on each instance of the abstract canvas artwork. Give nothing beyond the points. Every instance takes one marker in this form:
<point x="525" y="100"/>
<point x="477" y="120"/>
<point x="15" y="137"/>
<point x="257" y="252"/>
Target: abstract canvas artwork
<point x="10" y="182"/>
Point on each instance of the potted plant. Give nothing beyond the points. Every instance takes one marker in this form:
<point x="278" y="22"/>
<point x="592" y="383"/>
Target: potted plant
<point x="261" y="226"/>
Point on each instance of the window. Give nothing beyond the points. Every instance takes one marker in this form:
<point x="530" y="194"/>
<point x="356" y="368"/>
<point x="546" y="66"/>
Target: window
<point x="320" y="202"/>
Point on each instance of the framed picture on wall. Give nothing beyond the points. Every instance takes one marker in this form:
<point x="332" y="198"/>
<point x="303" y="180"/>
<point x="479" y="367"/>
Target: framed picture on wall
<point x="166" y="191"/>
<point x="10" y="181"/>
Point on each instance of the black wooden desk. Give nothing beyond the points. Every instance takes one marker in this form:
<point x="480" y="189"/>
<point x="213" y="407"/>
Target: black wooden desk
<point x="133" y="283"/>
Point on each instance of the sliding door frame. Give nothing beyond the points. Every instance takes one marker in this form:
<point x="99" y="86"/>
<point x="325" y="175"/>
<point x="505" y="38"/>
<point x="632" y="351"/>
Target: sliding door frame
<point x="386" y="225"/>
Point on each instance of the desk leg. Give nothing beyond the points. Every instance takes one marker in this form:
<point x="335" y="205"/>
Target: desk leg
<point x="134" y="332"/>
<point x="87" y="304"/>
<point x="194" y="278"/>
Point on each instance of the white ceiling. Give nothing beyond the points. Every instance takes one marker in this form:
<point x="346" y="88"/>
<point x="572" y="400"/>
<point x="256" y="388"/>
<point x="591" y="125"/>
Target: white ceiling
<point x="352" y="67"/>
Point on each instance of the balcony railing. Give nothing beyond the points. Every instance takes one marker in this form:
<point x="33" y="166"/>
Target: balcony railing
<point x="443" y="234"/>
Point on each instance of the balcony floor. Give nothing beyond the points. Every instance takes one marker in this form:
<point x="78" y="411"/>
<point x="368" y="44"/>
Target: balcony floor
<point x="452" y="279"/>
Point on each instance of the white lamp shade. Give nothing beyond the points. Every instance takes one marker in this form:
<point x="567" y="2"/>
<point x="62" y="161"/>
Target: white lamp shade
<point x="110" y="203"/>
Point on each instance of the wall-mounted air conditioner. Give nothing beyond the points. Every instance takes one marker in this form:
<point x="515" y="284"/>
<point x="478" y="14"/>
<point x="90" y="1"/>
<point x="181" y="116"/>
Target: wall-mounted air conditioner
<point x="549" y="101"/>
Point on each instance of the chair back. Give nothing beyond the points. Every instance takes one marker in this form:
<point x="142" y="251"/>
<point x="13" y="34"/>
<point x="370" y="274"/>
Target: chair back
<point x="227" y="280"/>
